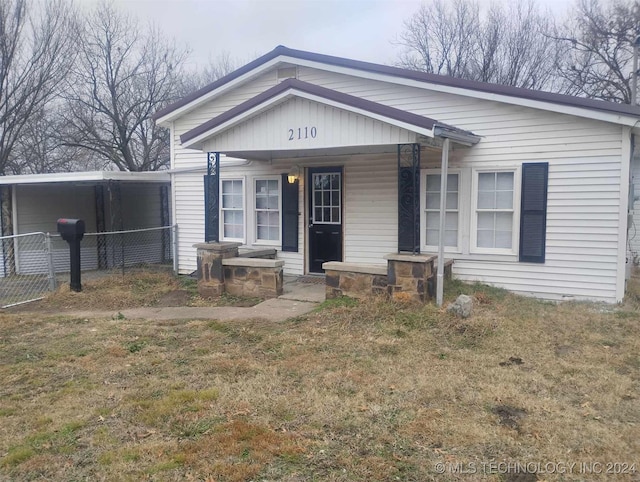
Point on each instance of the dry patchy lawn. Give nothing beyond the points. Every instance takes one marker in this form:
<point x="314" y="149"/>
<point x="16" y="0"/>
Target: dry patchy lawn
<point x="355" y="391"/>
<point x="136" y="288"/>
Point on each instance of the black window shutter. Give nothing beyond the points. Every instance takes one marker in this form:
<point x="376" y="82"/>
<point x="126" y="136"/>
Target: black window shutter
<point x="289" y="215"/>
<point x="211" y="211"/>
<point x="533" y="212"/>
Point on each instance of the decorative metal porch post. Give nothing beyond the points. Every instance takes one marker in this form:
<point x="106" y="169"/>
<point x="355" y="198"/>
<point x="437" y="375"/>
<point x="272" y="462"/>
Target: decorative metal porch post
<point x="211" y="198"/>
<point x="409" y="198"/>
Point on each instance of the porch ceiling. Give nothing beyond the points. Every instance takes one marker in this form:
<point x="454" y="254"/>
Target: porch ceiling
<point x="298" y="119"/>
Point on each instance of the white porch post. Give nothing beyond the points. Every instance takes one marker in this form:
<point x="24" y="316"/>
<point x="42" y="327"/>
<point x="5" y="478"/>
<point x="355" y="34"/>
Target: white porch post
<point x="443" y="209"/>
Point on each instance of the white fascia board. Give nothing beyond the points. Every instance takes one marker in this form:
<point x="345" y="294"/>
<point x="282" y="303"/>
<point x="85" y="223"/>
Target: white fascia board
<point x="55" y="177"/>
<point x="505" y="99"/>
<point x="232" y="84"/>
<point x="85" y="176"/>
<point x="149" y="176"/>
<point x="283" y="96"/>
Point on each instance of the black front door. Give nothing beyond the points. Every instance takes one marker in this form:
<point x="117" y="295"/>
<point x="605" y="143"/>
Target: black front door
<point x="325" y="216"/>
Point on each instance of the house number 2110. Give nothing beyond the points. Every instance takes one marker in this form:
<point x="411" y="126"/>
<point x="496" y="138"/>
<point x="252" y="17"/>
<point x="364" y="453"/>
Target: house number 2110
<point x="303" y="133"/>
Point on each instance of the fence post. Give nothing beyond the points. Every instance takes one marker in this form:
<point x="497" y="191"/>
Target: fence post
<point x="52" y="270"/>
<point x="174" y="243"/>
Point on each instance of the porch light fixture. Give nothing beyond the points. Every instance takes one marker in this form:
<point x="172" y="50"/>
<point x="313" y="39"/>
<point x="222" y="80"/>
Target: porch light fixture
<point x="294" y="174"/>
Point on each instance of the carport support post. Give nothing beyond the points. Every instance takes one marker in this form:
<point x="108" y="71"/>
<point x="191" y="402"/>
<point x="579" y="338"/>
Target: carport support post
<point x="52" y="271"/>
<point x="443" y="210"/>
<point x="174" y="242"/>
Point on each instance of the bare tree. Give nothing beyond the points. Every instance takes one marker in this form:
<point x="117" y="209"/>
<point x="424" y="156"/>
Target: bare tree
<point x="36" y="53"/>
<point x="41" y="147"/>
<point x="598" y="49"/>
<point x="441" y="37"/>
<point x="217" y="67"/>
<point x="124" y="73"/>
<point x="505" y="45"/>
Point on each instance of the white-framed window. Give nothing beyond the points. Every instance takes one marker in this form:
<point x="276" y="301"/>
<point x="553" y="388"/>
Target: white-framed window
<point x="267" y="209"/>
<point x="495" y="213"/>
<point x="232" y="209"/>
<point x="430" y="206"/>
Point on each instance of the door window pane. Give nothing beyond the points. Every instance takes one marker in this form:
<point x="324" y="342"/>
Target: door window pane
<point x="326" y="198"/>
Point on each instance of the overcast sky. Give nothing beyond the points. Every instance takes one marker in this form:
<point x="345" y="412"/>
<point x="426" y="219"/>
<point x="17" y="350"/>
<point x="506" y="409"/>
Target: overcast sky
<point x="358" y="29"/>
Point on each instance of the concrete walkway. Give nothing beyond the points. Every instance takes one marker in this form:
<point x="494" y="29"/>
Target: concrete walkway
<point x="276" y="309"/>
<point x="298" y="299"/>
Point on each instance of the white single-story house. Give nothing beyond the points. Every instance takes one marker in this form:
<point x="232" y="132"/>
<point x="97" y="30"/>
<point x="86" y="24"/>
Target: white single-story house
<point x="341" y="161"/>
<point x="105" y="200"/>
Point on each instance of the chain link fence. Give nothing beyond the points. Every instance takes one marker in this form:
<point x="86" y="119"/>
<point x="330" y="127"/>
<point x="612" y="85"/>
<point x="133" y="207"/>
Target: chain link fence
<point x="25" y="268"/>
<point x="35" y="263"/>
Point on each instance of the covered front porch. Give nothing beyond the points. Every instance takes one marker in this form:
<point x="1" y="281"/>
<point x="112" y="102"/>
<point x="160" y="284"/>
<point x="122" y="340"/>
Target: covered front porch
<point x="331" y="181"/>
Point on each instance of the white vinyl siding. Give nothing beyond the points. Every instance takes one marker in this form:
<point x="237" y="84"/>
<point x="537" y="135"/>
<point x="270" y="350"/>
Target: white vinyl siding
<point x="188" y="188"/>
<point x="302" y="124"/>
<point x="365" y="219"/>
<point x="584" y="197"/>
<point x="191" y="164"/>
<point x="584" y="193"/>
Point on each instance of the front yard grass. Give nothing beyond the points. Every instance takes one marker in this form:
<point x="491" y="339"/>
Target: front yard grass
<point x="136" y="288"/>
<point x="354" y="391"/>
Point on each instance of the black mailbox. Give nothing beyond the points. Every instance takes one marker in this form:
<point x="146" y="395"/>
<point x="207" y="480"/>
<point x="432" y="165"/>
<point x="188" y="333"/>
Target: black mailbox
<point x="72" y="231"/>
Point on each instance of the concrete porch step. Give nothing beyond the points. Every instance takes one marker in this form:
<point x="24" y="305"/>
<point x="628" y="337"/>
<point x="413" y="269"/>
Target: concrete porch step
<point x="296" y="290"/>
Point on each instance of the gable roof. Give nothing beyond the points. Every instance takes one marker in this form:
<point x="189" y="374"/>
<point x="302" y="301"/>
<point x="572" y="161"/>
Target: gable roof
<point x="294" y="87"/>
<point x="423" y="77"/>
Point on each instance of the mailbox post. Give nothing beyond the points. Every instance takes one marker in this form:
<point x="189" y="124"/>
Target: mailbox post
<point x="72" y="231"/>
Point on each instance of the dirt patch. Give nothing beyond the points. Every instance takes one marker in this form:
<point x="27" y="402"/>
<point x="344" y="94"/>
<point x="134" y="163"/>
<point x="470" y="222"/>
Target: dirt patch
<point x="509" y="416"/>
<point x="564" y="350"/>
<point x="514" y="360"/>
<point x="174" y="298"/>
